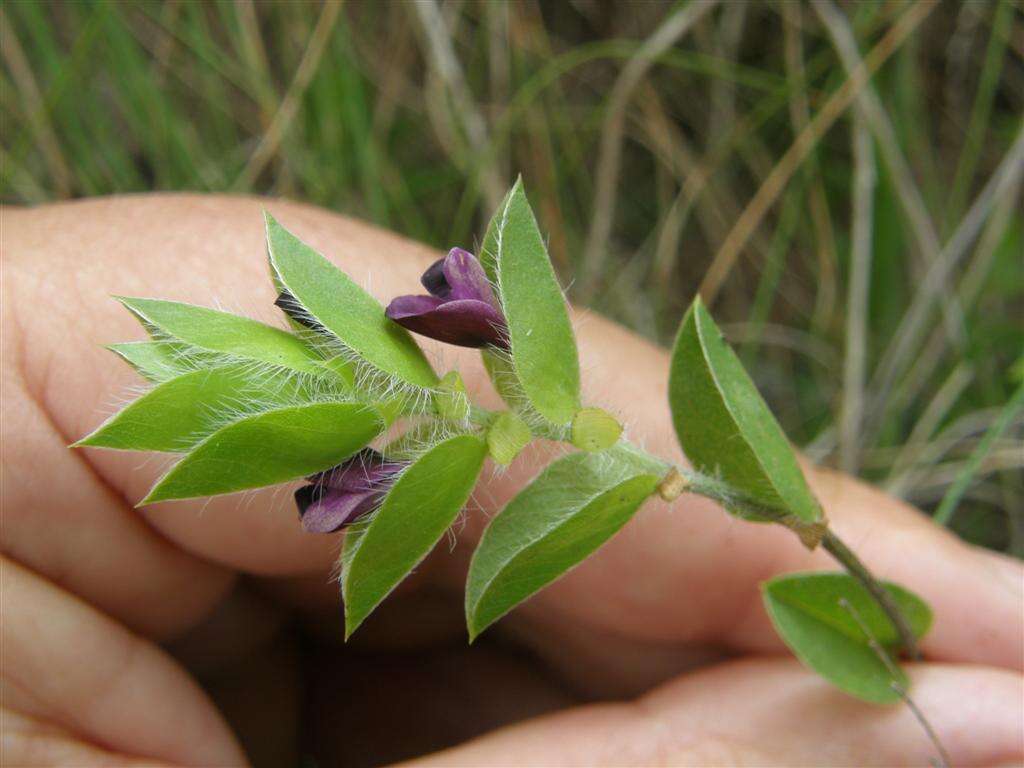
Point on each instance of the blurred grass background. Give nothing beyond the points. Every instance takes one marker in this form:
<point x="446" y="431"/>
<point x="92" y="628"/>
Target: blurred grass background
<point x="859" y="238"/>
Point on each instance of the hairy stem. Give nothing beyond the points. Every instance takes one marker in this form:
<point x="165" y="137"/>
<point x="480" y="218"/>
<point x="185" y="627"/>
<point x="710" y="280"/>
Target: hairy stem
<point x="723" y="493"/>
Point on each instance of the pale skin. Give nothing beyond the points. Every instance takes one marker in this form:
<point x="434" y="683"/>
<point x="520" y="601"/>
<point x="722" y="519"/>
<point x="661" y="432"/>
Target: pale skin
<point x="664" y="624"/>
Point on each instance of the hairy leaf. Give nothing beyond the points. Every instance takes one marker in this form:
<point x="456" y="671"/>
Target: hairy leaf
<point x="829" y="621"/>
<point x="155" y="360"/>
<point x="419" y="508"/>
<point x="182" y="411"/>
<point x="540" y="334"/>
<point x="270" y="447"/>
<point x="725" y="427"/>
<point x="573" y="507"/>
<point x="348" y="312"/>
<point x="224" y="333"/>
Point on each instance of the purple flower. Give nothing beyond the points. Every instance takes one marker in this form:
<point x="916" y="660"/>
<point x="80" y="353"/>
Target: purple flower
<point x="338" y="497"/>
<point x="461" y="308"/>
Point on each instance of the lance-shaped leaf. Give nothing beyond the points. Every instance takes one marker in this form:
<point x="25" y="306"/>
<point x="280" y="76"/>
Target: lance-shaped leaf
<point x="725" y="427"/>
<point x="182" y="411"/>
<point x="221" y="332"/>
<point x="541" y="340"/>
<point x="421" y="505"/>
<point x="334" y="301"/>
<point x="831" y="622"/>
<point x="573" y="507"/>
<point x="268" y="448"/>
<point x="155" y="360"/>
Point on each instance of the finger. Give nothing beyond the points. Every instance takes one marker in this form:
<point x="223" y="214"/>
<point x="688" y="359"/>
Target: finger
<point x="65" y="261"/>
<point x="27" y="742"/>
<point x="63" y="521"/>
<point x="68" y="665"/>
<point x="698" y="568"/>
<point x="711" y="718"/>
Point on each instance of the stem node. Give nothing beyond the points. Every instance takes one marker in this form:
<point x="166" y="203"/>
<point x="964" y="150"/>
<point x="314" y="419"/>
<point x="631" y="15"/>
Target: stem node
<point x="673" y="485"/>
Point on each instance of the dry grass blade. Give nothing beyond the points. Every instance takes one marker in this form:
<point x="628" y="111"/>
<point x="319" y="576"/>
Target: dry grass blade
<point x="446" y="63"/>
<point x="271" y="140"/>
<point x="800" y="116"/>
<point x="603" y="209"/>
<point x="783" y="171"/>
<point x="897" y="484"/>
<point x="855" y="360"/>
<point x="913" y="326"/>
<point x="15" y="59"/>
<point x="963" y="479"/>
<point x="910" y="197"/>
<point x="921" y="373"/>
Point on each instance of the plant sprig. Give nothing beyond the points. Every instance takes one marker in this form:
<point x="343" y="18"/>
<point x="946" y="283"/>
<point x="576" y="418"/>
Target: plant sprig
<point x="249" y="405"/>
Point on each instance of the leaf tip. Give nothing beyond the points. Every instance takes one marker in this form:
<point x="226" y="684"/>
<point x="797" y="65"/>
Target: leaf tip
<point x="352" y="623"/>
<point x="156" y="494"/>
<point x="473" y="630"/>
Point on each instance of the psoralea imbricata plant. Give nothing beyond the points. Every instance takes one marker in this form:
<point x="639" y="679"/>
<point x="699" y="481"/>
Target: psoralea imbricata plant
<point x="249" y="405"/>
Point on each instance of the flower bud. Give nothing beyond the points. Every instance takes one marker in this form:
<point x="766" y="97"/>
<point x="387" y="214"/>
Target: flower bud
<point x="507" y="436"/>
<point x="594" y="430"/>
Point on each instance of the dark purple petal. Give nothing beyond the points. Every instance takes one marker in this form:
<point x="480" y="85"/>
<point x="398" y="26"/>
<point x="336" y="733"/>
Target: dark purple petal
<point x="466" y="278"/>
<point x="363" y="471"/>
<point x="411" y="306"/>
<point x="434" y="280"/>
<point x="463" y="322"/>
<point x="324" y="510"/>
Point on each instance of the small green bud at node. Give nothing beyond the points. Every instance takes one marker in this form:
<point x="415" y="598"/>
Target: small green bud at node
<point x="673" y="485"/>
<point x="507" y="436"/>
<point x="595" y="430"/>
<point x="450" y="400"/>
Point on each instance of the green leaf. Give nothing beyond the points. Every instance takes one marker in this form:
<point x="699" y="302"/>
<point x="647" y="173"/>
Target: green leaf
<point x="573" y="507"/>
<point x="268" y="448"/>
<point x="180" y="412"/>
<point x="155" y="360"/>
<point x="826" y="620"/>
<point x="540" y="334"/>
<point x="224" y="333"/>
<point x="345" y="309"/>
<point x="419" y="508"/>
<point x="488" y="256"/>
<point x="725" y="427"/>
<point x="503" y="376"/>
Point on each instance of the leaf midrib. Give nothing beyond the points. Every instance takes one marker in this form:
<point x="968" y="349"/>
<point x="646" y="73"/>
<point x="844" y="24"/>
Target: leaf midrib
<point x="732" y="414"/>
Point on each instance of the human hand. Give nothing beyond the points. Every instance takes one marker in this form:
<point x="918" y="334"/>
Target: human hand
<point x="91" y="586"/>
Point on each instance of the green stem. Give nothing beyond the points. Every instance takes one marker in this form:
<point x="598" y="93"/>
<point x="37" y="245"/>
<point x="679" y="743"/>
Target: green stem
<point x="853" y="565"/>
<point x="724" y="494"/>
